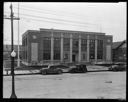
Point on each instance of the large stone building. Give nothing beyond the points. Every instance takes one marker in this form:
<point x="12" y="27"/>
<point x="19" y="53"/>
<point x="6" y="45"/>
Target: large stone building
<point x="64" y="46"/>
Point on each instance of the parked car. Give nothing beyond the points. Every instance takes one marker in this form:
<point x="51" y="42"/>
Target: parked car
<point x="117" y="67"/>
<point x="79" y="68"/>
<point x="51" y="69"/>
<point x="64" y="68"/>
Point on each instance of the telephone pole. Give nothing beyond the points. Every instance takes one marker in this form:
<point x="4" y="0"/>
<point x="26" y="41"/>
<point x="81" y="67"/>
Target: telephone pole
<point x="18" y="61"/>
<point x="13" y="95"/>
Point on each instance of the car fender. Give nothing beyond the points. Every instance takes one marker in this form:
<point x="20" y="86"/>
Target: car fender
<point x="44" y="70"/>
<point x="65" y="70"/>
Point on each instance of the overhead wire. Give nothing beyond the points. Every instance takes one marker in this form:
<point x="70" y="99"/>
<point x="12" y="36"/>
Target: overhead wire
<point x="40" y="11"/>
<point x="58" y="22"/>
<point x="52" y="20"/>
<point x="32" y="10"/>
<point x="51" y="11"/>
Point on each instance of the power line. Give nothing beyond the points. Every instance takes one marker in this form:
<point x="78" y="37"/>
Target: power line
<point x="51" y="11"/>
<point x="31" y="9"/>
<point x="56" y="19"/>
<point x="55" y="22"/>
<point x="52" y="19"/>
<point x="52" y="22"/>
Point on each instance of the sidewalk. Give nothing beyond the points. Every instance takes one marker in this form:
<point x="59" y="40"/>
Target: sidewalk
<point x="24" y="71"/>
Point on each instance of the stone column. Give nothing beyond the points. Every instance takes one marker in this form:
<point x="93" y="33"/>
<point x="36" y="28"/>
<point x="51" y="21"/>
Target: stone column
<point x="88" y="48"/>
<point x="96" y="49"/>
<point x="71" y="48"/>
<point x="79" y="54"/>
<point x="52" y="44"/>
<point x="62" y="50"/>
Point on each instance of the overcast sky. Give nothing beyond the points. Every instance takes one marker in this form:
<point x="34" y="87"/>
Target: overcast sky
<point x="109" y="18"/>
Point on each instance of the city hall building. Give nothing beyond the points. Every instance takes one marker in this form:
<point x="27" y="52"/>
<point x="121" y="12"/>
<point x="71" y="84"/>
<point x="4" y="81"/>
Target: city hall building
<point x="64" y="46"/>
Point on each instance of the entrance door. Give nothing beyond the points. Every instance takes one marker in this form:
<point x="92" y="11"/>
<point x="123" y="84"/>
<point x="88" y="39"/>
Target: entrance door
<point x="108" y="53"/>
<point x="34" y="52"/>
<point x="73" y="58"/>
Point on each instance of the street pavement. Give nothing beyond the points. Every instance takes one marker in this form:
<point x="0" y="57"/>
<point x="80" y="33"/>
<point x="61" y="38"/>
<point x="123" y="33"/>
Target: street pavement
<point x="90" y="85"/>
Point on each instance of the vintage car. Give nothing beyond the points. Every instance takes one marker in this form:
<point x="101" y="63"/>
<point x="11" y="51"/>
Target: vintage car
<point x="51" y="69"/>
<point x="79" y="68"/>
<point x="117" y="67"/>
<point x="64" y="68"/>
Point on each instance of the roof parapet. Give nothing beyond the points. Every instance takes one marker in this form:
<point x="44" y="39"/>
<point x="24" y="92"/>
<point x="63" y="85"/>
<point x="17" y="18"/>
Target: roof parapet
<point x="71" y="31"/>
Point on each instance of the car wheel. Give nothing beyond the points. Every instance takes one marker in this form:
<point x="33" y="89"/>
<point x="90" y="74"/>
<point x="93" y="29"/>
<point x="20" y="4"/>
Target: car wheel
<point x="72" y="71"/>
<point x="44" y="72"/>
<point x="114" y="69"/>
<point x="59" y="71"/>
<point x="84" y="70"/>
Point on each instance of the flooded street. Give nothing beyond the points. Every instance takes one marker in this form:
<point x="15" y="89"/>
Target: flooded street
<point x="94" y="85"/>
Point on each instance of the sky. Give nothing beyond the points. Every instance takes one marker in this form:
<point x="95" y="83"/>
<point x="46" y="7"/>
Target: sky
<point x="108" y="18"/>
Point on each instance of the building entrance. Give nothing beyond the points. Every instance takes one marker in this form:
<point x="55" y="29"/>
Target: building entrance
<point x="73" y="58"/>
<point x="34" y="51"/>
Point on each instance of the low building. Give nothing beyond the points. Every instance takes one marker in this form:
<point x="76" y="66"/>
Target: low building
<point x="65" y="46"/>
<point x="119" y="51"/>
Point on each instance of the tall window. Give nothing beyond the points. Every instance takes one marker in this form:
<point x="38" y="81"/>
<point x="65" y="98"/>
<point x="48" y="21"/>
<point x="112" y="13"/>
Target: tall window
<point x="23" y="44"/>
<point x="66" y="44"/>
<point x="26" y="49"/>
<point x="75" y="45"/>
<point x="66" y="56"/>
<point x="46" y="48"/>
<point x="100" y="49"/>
<point x="83" y="45"/>
<point x="92" y="49"/>
<point x="56" y="48"/>
<point x="84" y="56"/>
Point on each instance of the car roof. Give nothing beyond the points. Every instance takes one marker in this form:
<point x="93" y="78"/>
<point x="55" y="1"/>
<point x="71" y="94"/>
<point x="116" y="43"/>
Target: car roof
<point x="80" y="64"/>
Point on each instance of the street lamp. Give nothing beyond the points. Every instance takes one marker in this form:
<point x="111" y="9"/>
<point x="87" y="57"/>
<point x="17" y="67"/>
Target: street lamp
<point x="13" y="54"/>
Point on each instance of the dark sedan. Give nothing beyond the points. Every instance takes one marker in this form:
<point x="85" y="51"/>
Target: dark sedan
<point x="51" y="69"/>
<point x="79" y="68"/>
<point x="64" y="68"/>
<point x="117" y="67"/>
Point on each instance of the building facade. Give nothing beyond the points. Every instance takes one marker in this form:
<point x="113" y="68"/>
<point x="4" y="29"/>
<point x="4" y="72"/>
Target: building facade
<point x="64" y="46"/>
<point x="119" y="51"/>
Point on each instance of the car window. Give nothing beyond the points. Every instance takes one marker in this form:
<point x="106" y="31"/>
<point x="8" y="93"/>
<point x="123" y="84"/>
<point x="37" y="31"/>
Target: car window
<point x="72" y="66"/>
<point x="62" y="66"/>
<point x="52" y="67"/>
<point x="65" y="66"/>
<point x="59" y="66"/>
<point x="78" y="66"/>
<point x="84" y="66"/>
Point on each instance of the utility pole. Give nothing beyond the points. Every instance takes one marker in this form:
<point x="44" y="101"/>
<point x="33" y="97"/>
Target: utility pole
<point x="18" y="61"/>
<point x="13" y="95"/>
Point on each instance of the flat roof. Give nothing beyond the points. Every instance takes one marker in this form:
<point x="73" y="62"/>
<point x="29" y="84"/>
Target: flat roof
<point x="71" y="31"/>
<point x="24" y="34"/>
<point x="66" y="31"/>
